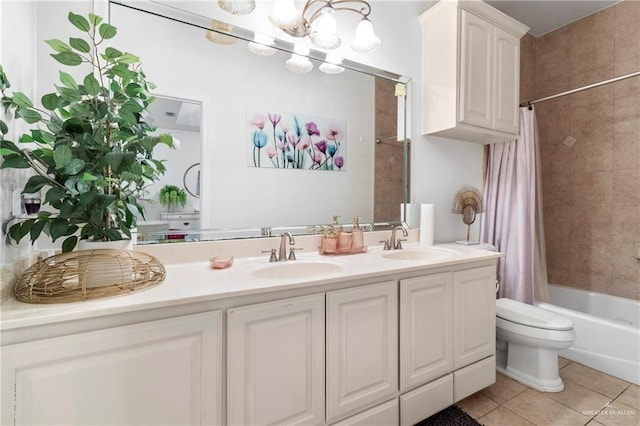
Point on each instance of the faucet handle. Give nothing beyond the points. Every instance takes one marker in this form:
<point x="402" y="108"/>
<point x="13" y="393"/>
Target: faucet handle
<point x="399" y="243"/>
<point x="387" y="246"/>
<point x="292" y="254"/>
<point x="272" y="257"/>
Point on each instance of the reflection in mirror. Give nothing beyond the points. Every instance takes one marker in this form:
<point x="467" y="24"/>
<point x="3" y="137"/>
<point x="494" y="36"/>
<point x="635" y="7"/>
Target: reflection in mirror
<point x="233" y="86"/>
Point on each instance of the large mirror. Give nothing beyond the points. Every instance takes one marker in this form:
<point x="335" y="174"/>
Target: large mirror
<point x="262" y="148"/>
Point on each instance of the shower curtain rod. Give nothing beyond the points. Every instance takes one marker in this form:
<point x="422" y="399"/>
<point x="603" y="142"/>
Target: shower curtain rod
<point x="580" y="89"/>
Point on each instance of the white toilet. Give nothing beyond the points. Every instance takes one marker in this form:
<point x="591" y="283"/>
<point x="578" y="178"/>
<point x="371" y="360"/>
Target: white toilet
<point x="527" y="343"/>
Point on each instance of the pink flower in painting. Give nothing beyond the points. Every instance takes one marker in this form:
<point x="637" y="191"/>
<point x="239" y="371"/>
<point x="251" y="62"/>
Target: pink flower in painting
<point x="322" y="146"/>
<point x="274" y="118"/>
<point x="312" y="129"/>
<point x="338" y="161"/>
<point x="258" y="121"/>
<point x="285" y="127"/>
<point x="333" y="134"/>
<point x="271" y="152"/>
<point x="293" y="139"/>
<point x="317" y="158"/>
<point x="302" y="146"/>
<point x="280" y="146"/>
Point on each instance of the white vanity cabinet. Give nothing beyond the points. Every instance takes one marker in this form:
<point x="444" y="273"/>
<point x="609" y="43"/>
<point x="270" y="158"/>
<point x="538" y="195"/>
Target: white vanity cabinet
<point x="471" y="72"/>
<point x="158" y="372"/>
<point x="362" y="348"/>
<point x="447" y="339"/>
<point x="275" y="362"/>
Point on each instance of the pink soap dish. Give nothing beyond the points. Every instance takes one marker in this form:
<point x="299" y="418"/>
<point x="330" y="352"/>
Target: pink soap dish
<point x="220" y="262"/>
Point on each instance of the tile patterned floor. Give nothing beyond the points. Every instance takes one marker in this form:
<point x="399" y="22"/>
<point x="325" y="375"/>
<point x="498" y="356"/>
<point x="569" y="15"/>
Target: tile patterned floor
<point x="590" y="397"/>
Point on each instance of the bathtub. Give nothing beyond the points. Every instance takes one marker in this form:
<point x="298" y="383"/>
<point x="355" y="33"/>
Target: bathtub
<point x="607" y="330"/>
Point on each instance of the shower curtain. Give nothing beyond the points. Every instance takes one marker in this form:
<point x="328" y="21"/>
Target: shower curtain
<point x="513" y="219"/>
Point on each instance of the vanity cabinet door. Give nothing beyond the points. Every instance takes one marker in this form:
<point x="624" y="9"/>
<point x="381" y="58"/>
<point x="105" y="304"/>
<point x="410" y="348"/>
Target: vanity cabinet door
<point x="474" y="313"/>
<point x="153" y="373"/>
<point x="426" y="329"/>
<point x="275" y="363"/>
<point x="362" y="348"/>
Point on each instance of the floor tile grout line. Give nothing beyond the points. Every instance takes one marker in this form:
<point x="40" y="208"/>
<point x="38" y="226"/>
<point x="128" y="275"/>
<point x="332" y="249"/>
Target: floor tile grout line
<point x="512" y="412"/>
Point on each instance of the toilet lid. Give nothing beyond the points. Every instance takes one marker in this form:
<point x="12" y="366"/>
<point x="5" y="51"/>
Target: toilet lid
<point x="531" y="316"/>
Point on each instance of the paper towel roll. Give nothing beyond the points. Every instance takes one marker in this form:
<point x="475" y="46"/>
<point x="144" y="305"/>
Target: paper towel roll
<point x="426" y="224"/>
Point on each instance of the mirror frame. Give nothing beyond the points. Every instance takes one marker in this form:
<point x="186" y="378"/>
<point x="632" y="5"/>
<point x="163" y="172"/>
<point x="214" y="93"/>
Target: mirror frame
<point x="188" y="18"/>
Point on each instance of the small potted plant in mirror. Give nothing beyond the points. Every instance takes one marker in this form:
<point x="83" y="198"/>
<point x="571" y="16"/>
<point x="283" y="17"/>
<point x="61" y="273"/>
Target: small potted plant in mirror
<point x="89" y="147"/>
<point x="171" y="197"/>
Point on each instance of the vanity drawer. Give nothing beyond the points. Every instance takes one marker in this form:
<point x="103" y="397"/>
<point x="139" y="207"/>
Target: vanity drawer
<point x="425" y="401"/>
<point x="473" y="378"/>
<point x="382" y="415"/>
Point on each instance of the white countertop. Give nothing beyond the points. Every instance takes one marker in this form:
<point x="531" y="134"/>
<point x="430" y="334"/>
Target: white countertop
<point x="197" y="282"/>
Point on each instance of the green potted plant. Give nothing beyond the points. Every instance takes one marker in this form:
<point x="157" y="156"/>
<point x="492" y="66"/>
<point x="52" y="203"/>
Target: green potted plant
<point x="171" y="196"/>
<point x="90" y="147"/>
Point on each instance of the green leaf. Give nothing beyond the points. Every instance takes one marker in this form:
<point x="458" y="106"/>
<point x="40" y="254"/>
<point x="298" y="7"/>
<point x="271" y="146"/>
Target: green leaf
<point x="22" y="100"/>
<point x="129" y="58"/>
<point x="91" y="85"/>
<point x="69" y="244"/>
<point x="79" y="22"/>
<point x="166" y="139"/>
<point x="9" y="145"/>
<point x="34" y="184"/>
<point x="95" y="19"/>
<point x="87" y="198"/>
<point x="68" y="80"/>
<point x="107" y="31"/>
<point x="80" y="44"/>
<point x="29" y="115"/>
<point x="112" y="53"/>
<point x="50" y="101"/>
<point x="68" y="58"/>
<point x="58" y="228"/>
<point x="74" y="166"/>
<point x="14" y="162"/>
<point x="36" y="229"/>
<point x="62" y="156"/>
<point x="133" y="89"/>
<point x="19" y="230"/>
<point x="70" y="95"/>
<point x="58" y="45"/>
<point x="54" y="194"/>
<point x="113" y="159"/>
<point x="88" y="177"/>
<point x="3" y="128"/>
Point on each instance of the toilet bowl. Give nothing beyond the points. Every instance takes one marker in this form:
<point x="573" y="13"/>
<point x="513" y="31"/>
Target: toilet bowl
<point x="527" y="343"/>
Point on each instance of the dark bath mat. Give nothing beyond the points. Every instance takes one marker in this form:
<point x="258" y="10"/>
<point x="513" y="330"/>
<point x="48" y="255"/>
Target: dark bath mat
<point x="450" y="416"/>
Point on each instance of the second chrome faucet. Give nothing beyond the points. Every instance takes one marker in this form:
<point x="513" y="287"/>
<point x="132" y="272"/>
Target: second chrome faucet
<point x="395" y="243"/>
<point x="282" y="251"/>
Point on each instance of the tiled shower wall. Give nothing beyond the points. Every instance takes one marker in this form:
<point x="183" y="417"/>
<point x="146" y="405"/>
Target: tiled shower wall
<point x="591" y="189"/>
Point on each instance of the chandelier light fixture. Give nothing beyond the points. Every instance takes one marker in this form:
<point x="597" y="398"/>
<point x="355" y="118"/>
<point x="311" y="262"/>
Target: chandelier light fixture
<point x="298" y="62"/>
<point x="331" y="65"/>
<point x="316" y="21"/>
<point x="262" y="45"/>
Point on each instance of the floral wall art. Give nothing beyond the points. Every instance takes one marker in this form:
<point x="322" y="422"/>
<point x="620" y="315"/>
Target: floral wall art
<point x="295" y="141"/>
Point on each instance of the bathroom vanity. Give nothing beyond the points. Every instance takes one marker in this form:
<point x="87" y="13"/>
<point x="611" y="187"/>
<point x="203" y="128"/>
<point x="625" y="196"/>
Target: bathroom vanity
<point x="383" y="337"/>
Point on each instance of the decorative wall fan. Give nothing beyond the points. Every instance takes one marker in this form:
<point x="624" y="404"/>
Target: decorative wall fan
<point x="468" y="203"/>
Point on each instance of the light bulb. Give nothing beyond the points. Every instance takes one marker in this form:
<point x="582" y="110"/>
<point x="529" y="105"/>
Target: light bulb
<point x="331" y="64"/>
<point x="365" y="40"/>
<point x="261" y="45"/>
<point x="284" y="14"/>
<point x="299" y="64"/>
<point x="237" y="7"/>
<point x="324" y="31"/>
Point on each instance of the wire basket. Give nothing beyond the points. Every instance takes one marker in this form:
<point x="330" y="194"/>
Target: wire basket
<point x="88" y="274"/>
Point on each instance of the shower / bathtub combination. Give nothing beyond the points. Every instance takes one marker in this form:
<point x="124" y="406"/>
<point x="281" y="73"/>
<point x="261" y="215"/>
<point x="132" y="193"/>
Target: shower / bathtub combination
<point x="607" y="330"/>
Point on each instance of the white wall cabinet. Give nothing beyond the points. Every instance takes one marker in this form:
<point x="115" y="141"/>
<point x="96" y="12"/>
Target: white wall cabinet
<point x="471" y="68"/>
<point x="362" y="348"/>
<point x="276" y="363"/>
<point x="158" y="372"/>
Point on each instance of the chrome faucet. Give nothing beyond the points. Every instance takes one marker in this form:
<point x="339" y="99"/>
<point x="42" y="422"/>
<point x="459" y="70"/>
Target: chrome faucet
<point x="282" y="252"/>
<point x="396" y="243"/>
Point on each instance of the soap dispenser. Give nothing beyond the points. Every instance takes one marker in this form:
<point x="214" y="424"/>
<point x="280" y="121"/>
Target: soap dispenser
<point x="357" y="236"/>
<point x="337" y="228"/>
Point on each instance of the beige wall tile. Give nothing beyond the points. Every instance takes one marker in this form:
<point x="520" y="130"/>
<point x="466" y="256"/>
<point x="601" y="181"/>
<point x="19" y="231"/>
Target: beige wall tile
<point x="627" y="13"/>
<point x="626" y="183"/>
<point x="625" y="288"/>
<point x="626" y="267"/>
<point x="625" y="224"/>
<point x="629" y="86"/>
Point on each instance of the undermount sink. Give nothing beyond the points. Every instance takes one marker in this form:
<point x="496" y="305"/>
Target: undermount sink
<point x="421" y="254"/>
<point x="297" y="269"/>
